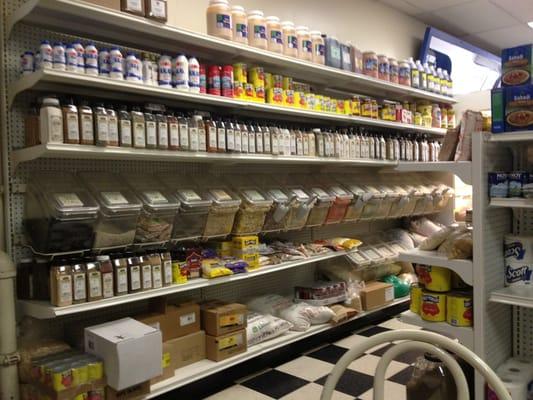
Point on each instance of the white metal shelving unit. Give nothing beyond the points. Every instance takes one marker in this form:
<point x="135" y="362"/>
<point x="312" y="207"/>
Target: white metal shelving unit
<point x="512" y="203"/>
<point x="25" y="23"/>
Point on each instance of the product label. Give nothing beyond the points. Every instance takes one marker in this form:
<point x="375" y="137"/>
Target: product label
<point x="260" y="31"/>
<point x="230" y="139"/>
<point x="122" y="280"/>
<point x="87" y="132"/>
<point x="107" y="285"/>
<point x="307" y="46"/>
<point x="238" y="141"/>
<point x="139" y="134"/>
<point x="241" y="30"/>
<point x="231" y="320"/>
<point x="403" y="73"/>
<point x="113" y="130"/>
<point x="193" y="139"/>
<point x="102" y="128"/>
<point x="167" y="272"/>
<point x="55" y="128"/>
<point x="68" y="200"/>
<point x="187" y="319"/>
<point x="221" y="138"/>
<point x="65" y="289"/>
<point x="114" y="198"/>
<point x="251" y="143"/>
<point x="213" y="138"/>
<point x="155" y="197"/>
<point x="157" y="276"/>
<point x="189" y="195"/>
<point x="151" y="133"/>
<point x="80" y="287"/>
<point x="95" y="284"/>
<point x="134" y="5"/>
<point x="370" y="64"/>
<point x="147" y="276"/>
<point x="230" y="341"/>
<point x="158" y="8"/>
<point x="184" y="136"/>
<point x="259" y="143"/>
<point x="320" y="50"/>
<point x="135" y="276"/>
<point x="174" y="135"/>
<point x="276" y="37"/>
<point x="292" y="42"/>
<point x="223" y="21"/>
<point x="275" y="144"/>
<point x="133" y="69"/>
<point x="162" y="130"/>
<point x="244" y="141"/>
<point x="125" y="132"/>
<point x="383" y="68"/>
<point x="165" y="71"/>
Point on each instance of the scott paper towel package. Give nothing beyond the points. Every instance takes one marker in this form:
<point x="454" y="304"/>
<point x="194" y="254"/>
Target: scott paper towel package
<point x="517" y="376"/>
<point x="518" y="255"/>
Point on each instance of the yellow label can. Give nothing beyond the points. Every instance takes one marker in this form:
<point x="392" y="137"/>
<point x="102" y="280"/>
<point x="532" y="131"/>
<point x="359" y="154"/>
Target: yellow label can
<point x="240" y="73"/>
<point x="416" y="298"/>
<point x="459" y="309"/>
<point x="433" y="306"/>
<point x="435" y="279"/>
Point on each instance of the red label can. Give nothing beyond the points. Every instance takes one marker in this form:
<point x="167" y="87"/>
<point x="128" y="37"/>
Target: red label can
<point x="213" y="80"/>
<point x="203" y="79"/>
<point x="227" y="81"/>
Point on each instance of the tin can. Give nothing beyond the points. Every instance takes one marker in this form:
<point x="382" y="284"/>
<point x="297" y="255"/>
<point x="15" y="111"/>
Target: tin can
<point x="375" y="109"/>
<point x="249" y="90"/>
<point x="459" y="307"/>
<point x="260" y="93"/>
<point x="347" y="107"/>
<point x="277" y="81"/>
<point x="80" y="373"/>
<point x="416" y="298"/>
<point x="227" y="81"/>
<point x="517" y="180"/>
<point x="288" y="98"/>
<point x="203" y="79"/>
<point x="96" y="369"/>
<point x="435" y="279"/>
<point x="240" y="72"/>
<point x="366" y="107"/>
<point x="356" y="105"/>
<point x="275" y="96"/>
<point x="302" y="100"/>
<point x="287" y="83"/>
<point x="62" y="378"/>
<point x="257" y="76"/>
<point x="268" y="80"/>
<point x="238" y="89"/>
<point x="418" y="119"/>
<point x="339" y="106"/>
<point x="498" y="185"/>
<point x="433" y="306"/>
<point x="213" y="80"/>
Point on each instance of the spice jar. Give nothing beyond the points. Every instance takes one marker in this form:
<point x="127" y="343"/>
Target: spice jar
<point x="257" y="26"/>
<point x="106" y="270"/>
<point x="162" y="128"/>
<point x="124" y="126"/>
<point x="101" y="124"/>
<point x="211" y="131"/>
<point x="219" y="19"/>
<point x="157" y="10"/>
<point x="139" y="128"/>
<point x="383" y="67"/>
<point x="60" y="285"/>
<point x="157" y="270"/>
<point x="134" y="273"/>
<point x="370" y="64"/>
<point x="51" y="121"/>
<point x="173" y="132"/>
<point x="146" y="272"/>
<point x="79" y="283"/>
<point x="151" y="127"/>
<point x="393" y="70"/>
<point x="31" y="127"/>
<point x="319" y="48"/>
<point x="166" y="262"/>
<point x="86" y="123"/>
<point x="71" y="128"/>
<point x="305" y="45"/>
<point x="290" y="40"/>
<point x="120" y="270"/>
<point x="240" y="24"/>
<point x="112" y="126"/>
<point x="274" y="34"/>
<point x="94" y="281"/>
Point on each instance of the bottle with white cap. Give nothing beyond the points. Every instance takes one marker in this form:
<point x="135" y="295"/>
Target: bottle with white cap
<point x="104" y="63"/>
<point x="91" y="59"/>
<point x="164" y="71"/>
<point x="71" y="57"/>
<point x="80" y="50"/>
<point x="116" y="60"/>
<point x="133" y="68"/>
<point x="274" y="34"/>
<point x="180" y="72"/>
<point x="46" y="54"/>
<point x="257" y="26"/>
<point x="194" y="75"/>
<point x="58" y="56"/>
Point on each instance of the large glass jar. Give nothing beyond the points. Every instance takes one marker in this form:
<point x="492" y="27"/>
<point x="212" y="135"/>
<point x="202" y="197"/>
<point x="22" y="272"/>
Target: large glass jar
<point x="119" y="210"/>
<point x="160" y="206"/>
<point x="251" y="215"/>
<point x="257" y="27"/>
<point x="59" y="213"/>
<point x="431" y="379"/>
<point x="219" y="22"/>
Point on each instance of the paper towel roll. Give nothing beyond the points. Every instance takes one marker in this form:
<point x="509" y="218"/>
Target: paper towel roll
<point x="516" y="386"/>
<point x="518" y="273"/>
<point x="518" y="249"/>
<point x="524" y="364"/>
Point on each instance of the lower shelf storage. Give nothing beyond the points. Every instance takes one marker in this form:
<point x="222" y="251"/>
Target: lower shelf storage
<point x="518" y="295"/>
<point x="205" y="368"/>
<point x="464" y="335"/>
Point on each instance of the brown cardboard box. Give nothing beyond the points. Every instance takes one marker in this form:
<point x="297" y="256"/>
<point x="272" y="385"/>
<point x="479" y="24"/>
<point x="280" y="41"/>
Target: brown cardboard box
<point x="176" y="321"/>
<point x="131" y="393"/>
<point x="67" y="394"/>
<point x="166" y="364"/>
<point x="114" y="4"/>
<point x="220" y="318"/>
<point x="186" y="350"/>
<point x="376" y="294"/>
<point x="219" y="348"/>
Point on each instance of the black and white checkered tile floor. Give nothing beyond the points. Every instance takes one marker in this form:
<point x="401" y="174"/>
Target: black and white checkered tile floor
<point x="303" y="377"/>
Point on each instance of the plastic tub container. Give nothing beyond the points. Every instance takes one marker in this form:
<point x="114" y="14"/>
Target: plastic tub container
<point x="277" y="217"/>
<point x="357" y="204"/>
<point x="119" y="210"/>
<point x="321" y="209"/>
<point x="218" y="16"/>
<point x="160" y="206"/>
<point x="372" y="207"/>
<point x="59" y="213"/>
<point x="401" y="202"/>
<point x="342" y="199"/>
<point x="430" y="195"/>
<point x="419" y="200"/>
<point x="442" y="196"/>
<point x="221" y="216"/>
<point x="254" y="207"/>
<point x="301" y="204"/>
<point x="393" y="201"/>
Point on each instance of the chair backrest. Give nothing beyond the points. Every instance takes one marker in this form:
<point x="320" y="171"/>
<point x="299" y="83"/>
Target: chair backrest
<point x="416" y="340"/>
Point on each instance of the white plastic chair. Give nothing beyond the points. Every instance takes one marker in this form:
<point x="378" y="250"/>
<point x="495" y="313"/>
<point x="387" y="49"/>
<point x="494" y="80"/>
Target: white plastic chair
<point x="416" y="340"/>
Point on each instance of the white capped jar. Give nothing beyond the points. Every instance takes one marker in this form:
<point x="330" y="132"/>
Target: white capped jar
<point x="290" y="40"/>
<point x="274" y="34"/>
<point x="240" y="24"/>
<point x="257" y="27"/>
<point x="51" y="121"/>
<point x="319" y="47"/>
<point x="219" y="19"/>
<point x="305" y="45"/>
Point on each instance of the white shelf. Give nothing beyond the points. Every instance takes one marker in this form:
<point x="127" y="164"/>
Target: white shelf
<point x="465" y="335"/>
<point x="77" y="17"/>
<point x="517" y="295"/>
<point x="44" y="310"/>
<point x="512" y="203"/>
<point x="69" y="82"/>
<point x="205" y="368"/>
<point x="464" y="268"/>
<point x="519" y="136"/>
<point x="462" y="169"/>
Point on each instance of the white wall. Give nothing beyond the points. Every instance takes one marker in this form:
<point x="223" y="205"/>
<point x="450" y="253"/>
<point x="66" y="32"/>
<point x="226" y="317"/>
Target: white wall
<point x="366" y="23"/>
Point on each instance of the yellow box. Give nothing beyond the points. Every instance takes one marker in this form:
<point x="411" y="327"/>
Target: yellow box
<point x="245" y="242"/>
<point x="252" y="259"/>
<point x="224" y="248"/>
<point x="274" y="96"/>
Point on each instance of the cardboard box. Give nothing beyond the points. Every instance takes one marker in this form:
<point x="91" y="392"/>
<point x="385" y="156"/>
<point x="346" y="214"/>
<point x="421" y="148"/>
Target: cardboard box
<point x="518" y="108"/>
<point x="38" y="390"/>
<point x="498" y="111"/>
<point x="517" y="65"/>
<point x="219" y="348"/>
<point x="376" y="294"/>
<point x="176" y="321"/>
<point x="220" y="318"/>
<point x="242" y="243"/>
<point x="252" y="259"/>
<point x="186" y="350"/>
<point x="131" y="393"/>
<point x="131" y="350"/>
<point x="113" y="4"/>
<point x="166" y="364"/>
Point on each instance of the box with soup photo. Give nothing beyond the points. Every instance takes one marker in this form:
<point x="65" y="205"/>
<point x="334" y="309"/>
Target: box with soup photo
<point x="518" y="103"/>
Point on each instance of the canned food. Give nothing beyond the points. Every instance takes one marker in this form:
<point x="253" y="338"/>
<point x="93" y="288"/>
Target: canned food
<point x="433" y="306"/>
<point x="277" y="81"/>
<point x="288" y="98"/>
<point x="80" y="373"/>
<point x="238" y="90"/>
<point x="366" y="108"/>
<point x="356" y="105"/>
<point x="459" y="308"/>
<point x="268" y="80"/>
<point x="213" y="80"/>
<point x="227" y="81"/>
<point x="416" y="298"/>
<point x="340" y="106"/>
<point x="300" y="100"/>
<point x="375" y="109"/>
<point x="435" y="279"/>
<point x="203" y="79"/>
<point x="260" y="93"/>
<point x="62" y="378"/>
<point x="418" y="119"/>
<point x="347" y="107"/>
<point x="257" y="76"/>
<point x="95" y="369"/>
<point x="287" y="83"/>
<point x="249" y="90"/>
<point x="240" y="73"/>
<point x="275" y="96"/>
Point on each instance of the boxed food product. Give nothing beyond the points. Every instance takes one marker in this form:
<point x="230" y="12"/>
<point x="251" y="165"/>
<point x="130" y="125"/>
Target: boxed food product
<point x="517" y="65"/>
<point x="219" y="318"/>
<point x="321" y="293"/>
<point x="186" y="350"/>
<point x="176" y="321"/>
<point x="518" y="108"/>
<point x="376" y="294"/>
<point x="130" y="393"/>
<point x="166" y="364"/>
<point x="219" y="348"/>
<point x="252" y="259"/>
<point x="246" y="243"/>
<point x="123" y="345"/>
<point x="498" y="111"/>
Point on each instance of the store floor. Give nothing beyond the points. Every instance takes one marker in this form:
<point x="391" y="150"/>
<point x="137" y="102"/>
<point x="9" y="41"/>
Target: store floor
<point x="302" y="378"/>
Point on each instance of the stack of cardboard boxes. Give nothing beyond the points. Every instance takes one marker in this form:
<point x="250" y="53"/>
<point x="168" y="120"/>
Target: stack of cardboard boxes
<point x="246" y="248"/>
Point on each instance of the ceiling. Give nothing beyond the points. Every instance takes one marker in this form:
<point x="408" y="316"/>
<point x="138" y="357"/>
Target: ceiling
<point x="490" y="24"/>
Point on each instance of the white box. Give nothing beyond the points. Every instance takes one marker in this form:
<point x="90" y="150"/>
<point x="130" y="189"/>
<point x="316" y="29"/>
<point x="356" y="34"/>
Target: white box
<point x="131" y="350"/>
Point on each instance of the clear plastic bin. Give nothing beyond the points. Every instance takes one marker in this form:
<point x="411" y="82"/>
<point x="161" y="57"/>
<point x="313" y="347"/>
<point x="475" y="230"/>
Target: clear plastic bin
<point x="119" y="210"/>
<point x="59" y="213"/>
<point x="301" y="204"/>
<point x="419" y="200"/>
<point x="429" y="194"/>
<point x="354" y="211"/>
<point x="254" y="207"/>
<point x="442" y="196"/>
<point x="321" y="208"/>
<point x="342" y="199"/>
<point x="224" y="207"/>
<point x="277" y="217"/>
<point x="373" y="206"/>
<point x="402" y="203"/>
<point x="159" y="208"/>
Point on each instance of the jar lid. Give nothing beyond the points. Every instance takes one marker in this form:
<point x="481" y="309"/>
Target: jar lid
<point x="214" y="2"/>
<point x="256" y="13"/>
<point x="288" y="24"/>
<point x="315" y="33"/>
<point x="302" y="28"/>
<point x="237" y="8"/>
<point x="50" y="101"/>
<point x="272" y="18"/>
